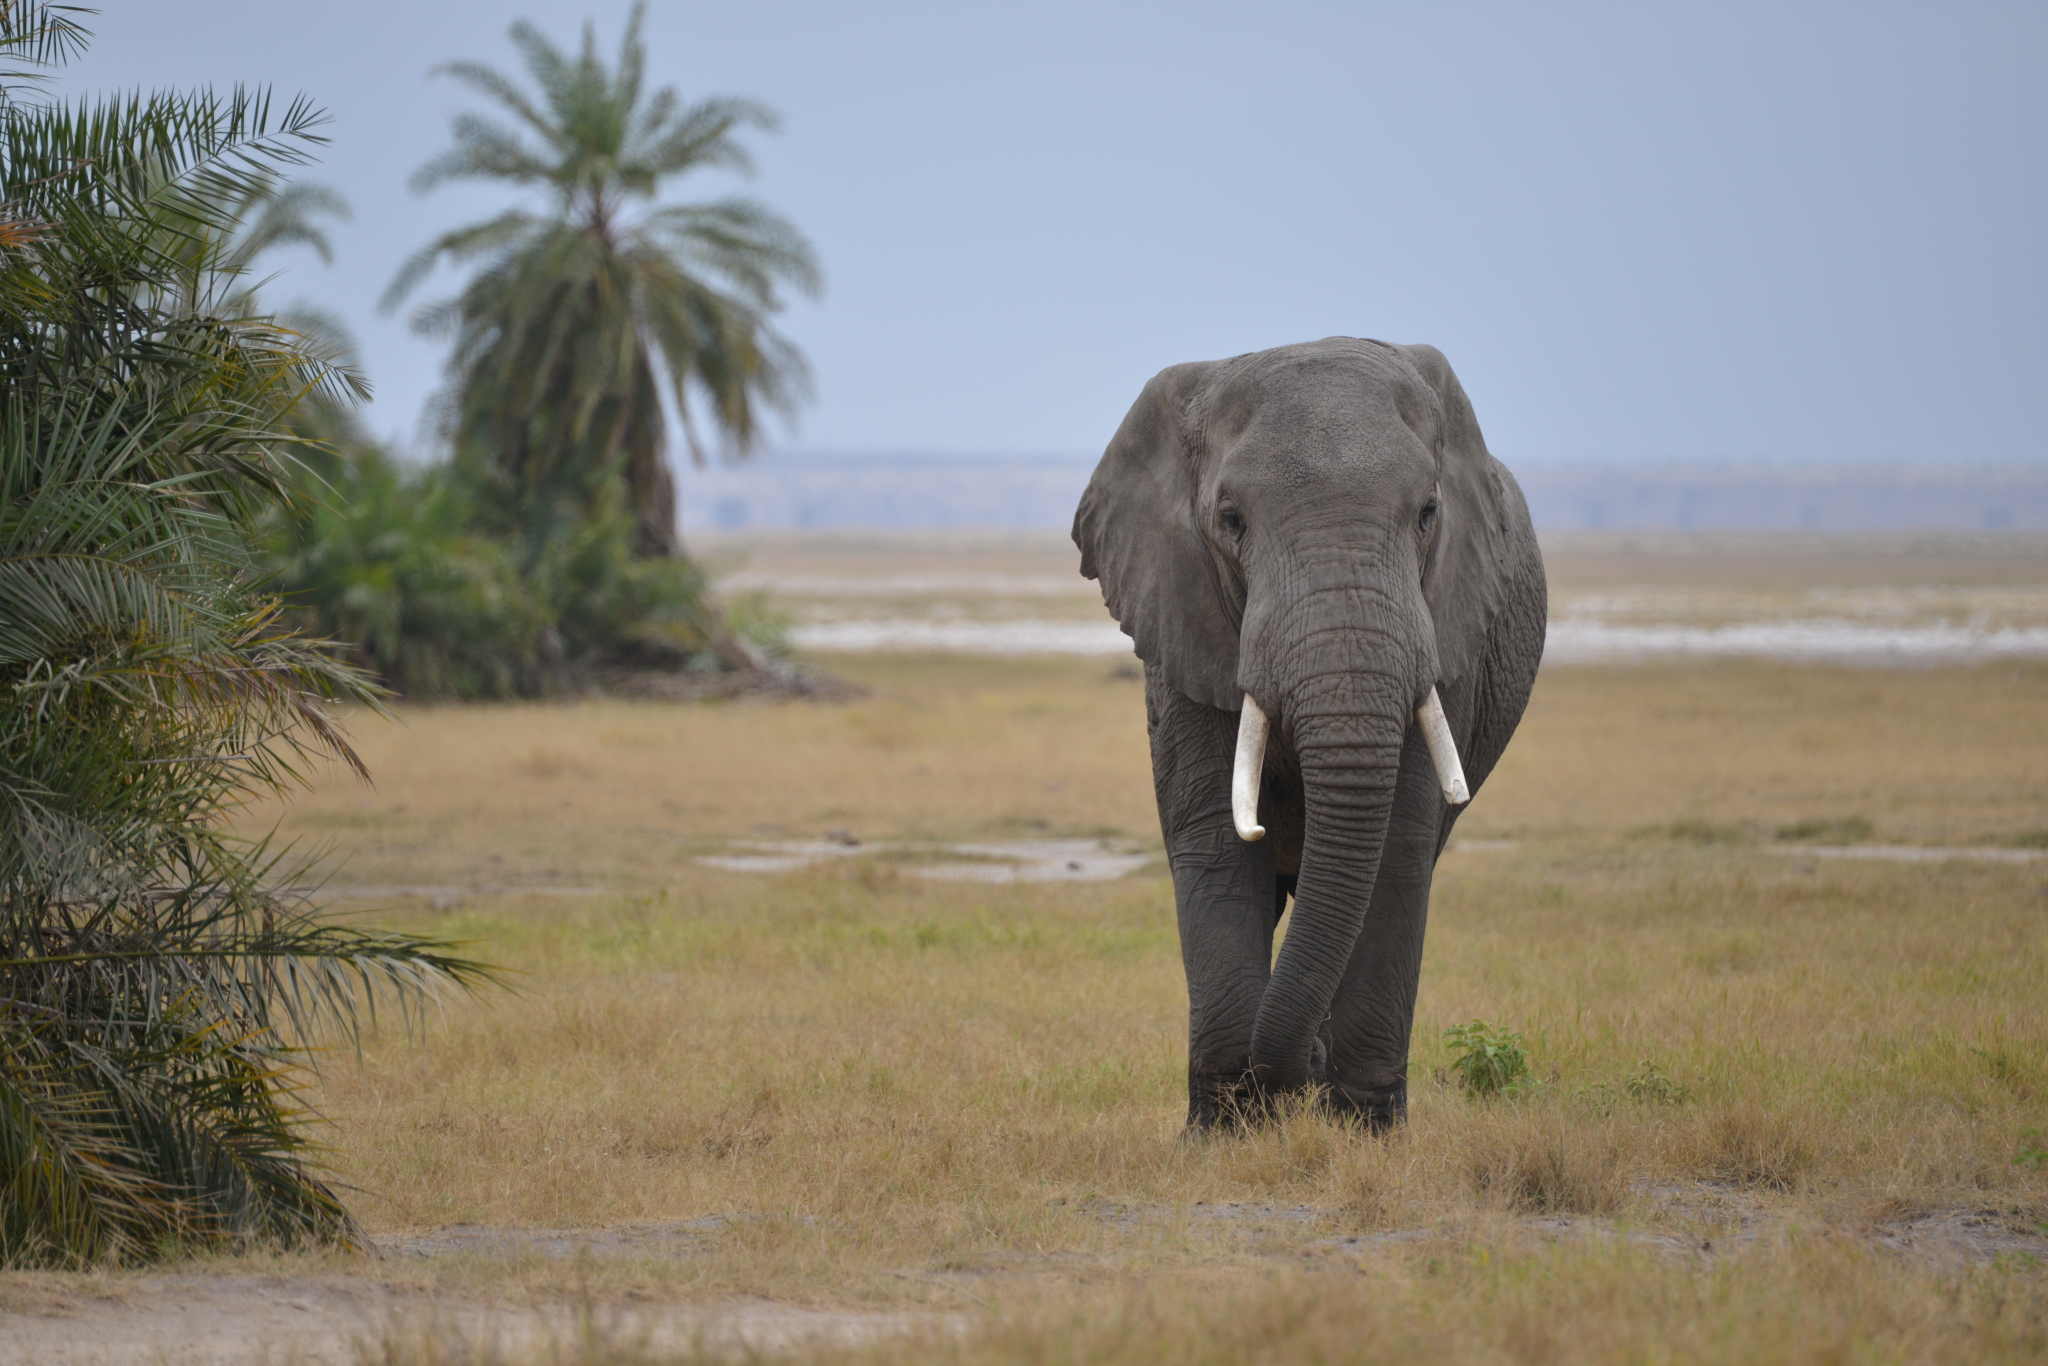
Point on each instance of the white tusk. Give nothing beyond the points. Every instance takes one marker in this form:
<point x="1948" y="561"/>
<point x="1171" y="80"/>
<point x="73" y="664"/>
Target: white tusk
<point x="1246" y="772"/>
<point x="1443" y="750"/>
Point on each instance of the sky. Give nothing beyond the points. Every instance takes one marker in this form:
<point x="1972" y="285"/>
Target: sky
<point x="1776" y="232"/>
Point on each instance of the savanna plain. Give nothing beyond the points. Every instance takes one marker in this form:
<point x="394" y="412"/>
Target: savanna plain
<point x="1787" y="1092"/>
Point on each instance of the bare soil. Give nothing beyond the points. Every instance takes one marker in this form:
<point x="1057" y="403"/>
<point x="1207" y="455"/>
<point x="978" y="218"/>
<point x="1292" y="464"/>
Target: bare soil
<point x="332" y="1317"/>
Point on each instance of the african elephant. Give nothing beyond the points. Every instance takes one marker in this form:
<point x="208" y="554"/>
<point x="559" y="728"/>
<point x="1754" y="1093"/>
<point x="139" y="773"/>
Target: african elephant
<point x="1317" y="535"/>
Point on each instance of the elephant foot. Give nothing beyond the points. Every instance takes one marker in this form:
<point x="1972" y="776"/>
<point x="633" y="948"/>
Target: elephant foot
<point x="1225" y="1102"/>
<point x="1376" y="1109"/>
<point x="1238" y="1102"/>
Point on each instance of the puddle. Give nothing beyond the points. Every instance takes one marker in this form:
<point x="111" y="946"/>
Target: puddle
<point x="999" y="861"/>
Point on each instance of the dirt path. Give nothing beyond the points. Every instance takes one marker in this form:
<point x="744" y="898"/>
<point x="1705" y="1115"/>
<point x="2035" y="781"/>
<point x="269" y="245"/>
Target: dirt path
<point x="224" y="1319"/>
<point x="230" y="1318"/>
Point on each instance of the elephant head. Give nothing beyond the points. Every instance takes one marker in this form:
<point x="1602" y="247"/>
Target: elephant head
<point x="1315" y="534"/>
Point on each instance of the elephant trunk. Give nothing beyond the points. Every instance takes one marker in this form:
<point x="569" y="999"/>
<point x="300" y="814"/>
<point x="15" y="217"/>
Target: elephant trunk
<point x="1249" y="765"/>
<point x="1348" y="730"/>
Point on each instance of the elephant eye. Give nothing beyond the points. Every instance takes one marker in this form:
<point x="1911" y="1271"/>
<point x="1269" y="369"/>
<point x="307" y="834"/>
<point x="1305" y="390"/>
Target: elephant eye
<point x="1232" y="522"/>
<point x="1428" y="518"/>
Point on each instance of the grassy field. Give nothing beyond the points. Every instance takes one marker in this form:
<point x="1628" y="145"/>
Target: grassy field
<point x="1786" y="1103"/>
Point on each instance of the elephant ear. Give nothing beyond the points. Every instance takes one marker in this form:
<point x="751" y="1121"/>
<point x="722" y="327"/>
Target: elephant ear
<point x="1470" y="565"/>
<point x="1136" y="531"/>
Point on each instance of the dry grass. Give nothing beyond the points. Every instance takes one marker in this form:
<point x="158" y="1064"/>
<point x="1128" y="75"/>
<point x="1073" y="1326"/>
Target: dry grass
<point x="1941" y="756"/>
<point x="898" y="1071"/>
<point x="1497" y="1301"/>
<point x="910" y="1093"/>
<point x="623" y="794"/>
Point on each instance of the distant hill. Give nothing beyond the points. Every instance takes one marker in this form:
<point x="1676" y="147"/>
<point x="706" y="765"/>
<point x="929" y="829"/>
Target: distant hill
<point x="784" y="492"/>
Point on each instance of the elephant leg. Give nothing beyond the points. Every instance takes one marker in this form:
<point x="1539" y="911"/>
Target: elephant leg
<point x="1224" y="893"/>
<point x="1373" y="1011"/>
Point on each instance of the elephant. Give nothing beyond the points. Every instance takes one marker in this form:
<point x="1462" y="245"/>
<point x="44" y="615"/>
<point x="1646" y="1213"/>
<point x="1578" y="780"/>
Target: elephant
<point x="1340" y="606"/>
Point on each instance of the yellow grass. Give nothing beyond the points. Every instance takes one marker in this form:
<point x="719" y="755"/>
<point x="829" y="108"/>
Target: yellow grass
<point x="1498" y="1301"/>
<point x="963" y="1100"/>
<point x="626" y="794"/>
<point x="906" y="1092"/>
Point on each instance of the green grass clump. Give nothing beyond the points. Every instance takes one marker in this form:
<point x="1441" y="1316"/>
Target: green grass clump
<point x="1487" y="1060"/>
<point x="1823" y="830"/>
<point x="1692" y="830"/>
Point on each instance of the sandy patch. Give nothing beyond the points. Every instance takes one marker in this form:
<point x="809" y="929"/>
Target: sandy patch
<point x="203" y="1319"/>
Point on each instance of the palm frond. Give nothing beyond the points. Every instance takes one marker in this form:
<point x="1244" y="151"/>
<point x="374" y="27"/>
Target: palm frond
<point x="490" y="81"/>
<point x="285" y="215"/>
<point x="461" y="244"/>
<point x="702" y="139"/>
<point x="35" y="36"/>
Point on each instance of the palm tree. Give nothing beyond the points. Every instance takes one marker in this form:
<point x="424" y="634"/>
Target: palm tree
<point x="157" y="987"/>
<point x="581" y="319"/>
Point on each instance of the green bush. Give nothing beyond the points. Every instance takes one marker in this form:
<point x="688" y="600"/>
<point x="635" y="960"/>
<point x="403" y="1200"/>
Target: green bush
<point x="612" y="606"/>
<point x="1487" y="1060"/>
<point x="382" y="557"/>
<point x="393" y="560"/>
<point x="1647" y="1086"/>
<point x="1650" y="1086"/>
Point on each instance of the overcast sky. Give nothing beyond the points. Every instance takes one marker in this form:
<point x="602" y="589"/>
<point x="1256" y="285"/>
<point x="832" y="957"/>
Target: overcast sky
<point x="1777" y="231"/>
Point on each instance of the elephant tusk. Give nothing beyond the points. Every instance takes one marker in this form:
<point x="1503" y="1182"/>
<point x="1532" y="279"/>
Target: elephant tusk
<point x="1443" y="750"/>
<point x="1246" y="772"/>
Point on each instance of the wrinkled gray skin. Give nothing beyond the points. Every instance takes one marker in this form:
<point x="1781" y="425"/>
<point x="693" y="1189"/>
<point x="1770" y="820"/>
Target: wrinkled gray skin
<point x="1322" y="527"/>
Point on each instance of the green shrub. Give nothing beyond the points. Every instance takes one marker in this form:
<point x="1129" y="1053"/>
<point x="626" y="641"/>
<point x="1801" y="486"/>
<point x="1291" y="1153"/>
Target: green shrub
<point x="1486" y="1059"/>
<point x="1650" y="1086"/>
<point x="612" y="606"/>
<point x="394" y="561"/>
<point x="157" y="994"/>
<point x="381" y="556"/>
